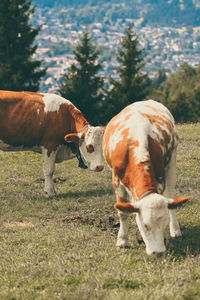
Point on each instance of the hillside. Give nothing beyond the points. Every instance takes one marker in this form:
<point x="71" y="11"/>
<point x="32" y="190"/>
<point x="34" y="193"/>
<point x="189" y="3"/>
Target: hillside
<point x="150" y="12"/>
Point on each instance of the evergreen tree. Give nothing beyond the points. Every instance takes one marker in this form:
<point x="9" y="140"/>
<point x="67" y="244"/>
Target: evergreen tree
<point x="18" y="70"/>
<point x="132" y="83"/>
<point x="181" y="94"/>
<point x="159" y="79"/>
<point x="80" y="84"/>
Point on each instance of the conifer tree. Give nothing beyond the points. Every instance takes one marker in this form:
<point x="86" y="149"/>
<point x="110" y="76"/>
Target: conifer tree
<point x="131" y="86"/>
<point x="181" y="93"/>
<point x="81" y="84"/>
<point x="18" y="69"/>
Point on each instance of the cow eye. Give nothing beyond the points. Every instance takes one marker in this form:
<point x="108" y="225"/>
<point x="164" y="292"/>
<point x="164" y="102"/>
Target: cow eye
<point x="89" y="148"/>
<point x="146" y="227"/>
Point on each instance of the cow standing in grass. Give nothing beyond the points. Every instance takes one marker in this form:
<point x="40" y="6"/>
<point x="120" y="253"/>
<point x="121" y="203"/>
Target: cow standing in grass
<point x="51" y="125"/>
<point x="140" y="145"/>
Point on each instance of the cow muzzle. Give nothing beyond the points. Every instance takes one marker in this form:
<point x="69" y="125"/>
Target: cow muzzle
<point x="156" y="251"/>
<point x="99" y="168"/>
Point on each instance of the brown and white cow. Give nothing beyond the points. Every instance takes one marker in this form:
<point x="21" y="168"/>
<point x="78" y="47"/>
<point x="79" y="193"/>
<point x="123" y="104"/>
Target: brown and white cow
<point x="139" y="144"/>
<point x="43" y="123"/>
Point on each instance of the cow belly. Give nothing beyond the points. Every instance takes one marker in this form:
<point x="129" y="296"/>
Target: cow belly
<point x="7" y="147"/>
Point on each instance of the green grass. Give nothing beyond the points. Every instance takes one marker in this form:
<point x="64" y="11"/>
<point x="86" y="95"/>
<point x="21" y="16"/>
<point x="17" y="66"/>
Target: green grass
<point x="66" y="250"/>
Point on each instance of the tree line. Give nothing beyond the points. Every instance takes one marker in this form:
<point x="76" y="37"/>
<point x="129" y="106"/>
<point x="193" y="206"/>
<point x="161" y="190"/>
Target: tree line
<point x="97" y="97"/>
<point x="162" y="12"/>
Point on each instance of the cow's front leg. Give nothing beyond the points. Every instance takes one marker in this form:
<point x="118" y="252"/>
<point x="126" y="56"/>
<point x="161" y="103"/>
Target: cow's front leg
<point x="122" y="238"/>
<point x="169" y="192"/>
<point x="121" y="195"/>
<point x="48" y="169"/>
<point x="174" y="225"/>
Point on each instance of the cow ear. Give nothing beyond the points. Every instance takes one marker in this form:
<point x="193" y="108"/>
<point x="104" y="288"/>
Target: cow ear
<point x="174" y="203"/>
<point x="102" y="128"/>
<point x="126" y="208"/>
<point x="72" y="138"/>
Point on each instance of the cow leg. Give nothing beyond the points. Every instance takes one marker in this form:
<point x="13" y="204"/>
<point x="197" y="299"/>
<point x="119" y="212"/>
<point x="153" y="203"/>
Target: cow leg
<point x="48" y="169"/>
<point x="122" y="238"/>
<point x="169" y="192"/>
<point x="121" y="195"/>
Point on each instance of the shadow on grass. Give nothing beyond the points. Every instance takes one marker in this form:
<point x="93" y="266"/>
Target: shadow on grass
<point x="189" y="243"/>
<point x="87" y="193"/>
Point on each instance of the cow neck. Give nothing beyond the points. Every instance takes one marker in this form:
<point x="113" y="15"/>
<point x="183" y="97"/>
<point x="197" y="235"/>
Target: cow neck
<point x="79" y="122"/>
<point x="81" y="125"/>
<point x="143" y="181"/>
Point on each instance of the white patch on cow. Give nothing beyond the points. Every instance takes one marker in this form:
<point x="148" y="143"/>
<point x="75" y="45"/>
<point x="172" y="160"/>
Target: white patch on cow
<point x="139" y="127"/>
<point x="93" y="137"/>
<point x="115" y="139"/>
<point x="38" y="111"/>
<point x="53" y="102"/>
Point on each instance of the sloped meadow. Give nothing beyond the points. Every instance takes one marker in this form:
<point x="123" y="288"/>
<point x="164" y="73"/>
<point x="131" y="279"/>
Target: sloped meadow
<point x="64" y="247"/>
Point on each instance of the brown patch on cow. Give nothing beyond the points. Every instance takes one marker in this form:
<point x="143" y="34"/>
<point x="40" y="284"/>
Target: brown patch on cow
<point x="120" y="155"/>
<point x="126" y="208"/>
<point x="79" y="120"/>
<point x="157" y="160"/>
<point x="151" y="107"/>
<point x="110" y="130"/>
<point x="23" y="121"/>
<point x="177" y="202"/>
<point x="138" y="178"/>
<point x="159" y="120"/>
<point x="128" y="117"/>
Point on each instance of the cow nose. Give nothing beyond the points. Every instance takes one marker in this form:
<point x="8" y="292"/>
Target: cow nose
<point x="99" y="168"/>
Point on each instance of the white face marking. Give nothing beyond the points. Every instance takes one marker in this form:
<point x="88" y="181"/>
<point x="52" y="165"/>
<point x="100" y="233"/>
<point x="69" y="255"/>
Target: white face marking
<point x="152" y="220"/>
<point x="93" y="137"/>
<point x="53" y="102"/>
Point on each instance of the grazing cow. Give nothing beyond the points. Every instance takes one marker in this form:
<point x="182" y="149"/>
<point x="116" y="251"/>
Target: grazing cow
<point x="48" y="124"/>
<point x="139" y="144"/>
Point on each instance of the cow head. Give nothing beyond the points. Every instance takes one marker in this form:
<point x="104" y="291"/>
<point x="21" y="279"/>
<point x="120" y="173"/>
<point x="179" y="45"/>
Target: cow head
<point x="89" y="145"/>
<point x="152" y="218"/>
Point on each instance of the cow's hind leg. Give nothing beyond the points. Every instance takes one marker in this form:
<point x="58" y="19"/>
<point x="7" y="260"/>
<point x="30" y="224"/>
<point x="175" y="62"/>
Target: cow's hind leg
<point x="170" y="192"/>
<point x="48" y="169"/>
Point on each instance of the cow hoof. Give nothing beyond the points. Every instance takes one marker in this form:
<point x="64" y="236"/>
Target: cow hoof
<point x="121" y="244"/>
<point x="175" y="234"/>
<point x="50" y="195"/>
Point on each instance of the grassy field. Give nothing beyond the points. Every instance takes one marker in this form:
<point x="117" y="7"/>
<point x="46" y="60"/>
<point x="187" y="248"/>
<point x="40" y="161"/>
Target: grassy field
<point x="64" y="247"/>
